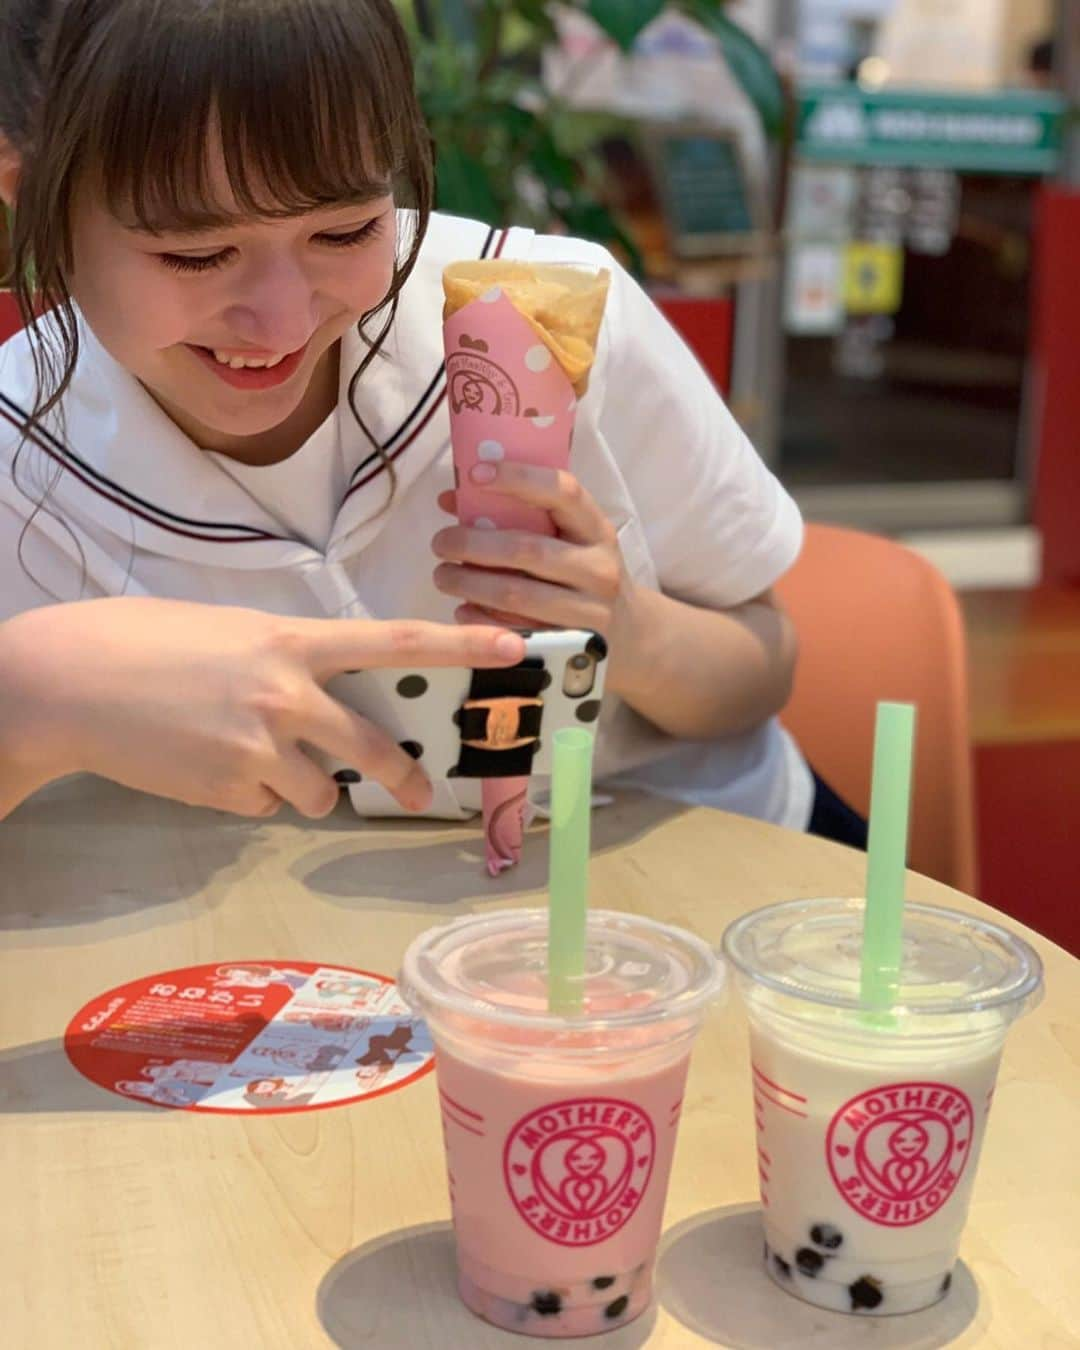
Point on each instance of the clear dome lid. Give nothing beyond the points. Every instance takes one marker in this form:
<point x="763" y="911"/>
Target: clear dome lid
<point x="495" y="966"/>
<point x="952" y="963"/>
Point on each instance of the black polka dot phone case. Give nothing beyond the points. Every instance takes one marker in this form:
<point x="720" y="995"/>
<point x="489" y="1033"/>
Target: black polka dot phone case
<point x="483" y="723"/>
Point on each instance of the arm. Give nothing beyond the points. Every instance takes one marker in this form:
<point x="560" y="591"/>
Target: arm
<point x="209" y="704"/>
<point x="695" y="671"/>
<point x="27" y="760"/>
<point x="700" y="673"/>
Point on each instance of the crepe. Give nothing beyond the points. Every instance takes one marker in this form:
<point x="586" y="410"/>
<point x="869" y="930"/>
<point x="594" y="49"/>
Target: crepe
<point x="563" y="304"/>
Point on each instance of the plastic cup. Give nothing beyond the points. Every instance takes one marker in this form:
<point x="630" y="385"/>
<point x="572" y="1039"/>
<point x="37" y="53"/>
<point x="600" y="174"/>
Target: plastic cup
<point x="869" y="1125"/>
<point x="559" y="1129"/>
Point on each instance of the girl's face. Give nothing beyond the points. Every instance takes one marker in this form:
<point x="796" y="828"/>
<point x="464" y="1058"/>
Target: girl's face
<point x="176" y="309"/>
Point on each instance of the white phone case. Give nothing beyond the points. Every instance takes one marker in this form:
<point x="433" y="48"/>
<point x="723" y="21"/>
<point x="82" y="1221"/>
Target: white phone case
<point x="419" y="707"/>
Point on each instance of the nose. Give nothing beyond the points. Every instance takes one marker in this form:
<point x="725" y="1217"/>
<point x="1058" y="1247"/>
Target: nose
<point x="275" y="306"/>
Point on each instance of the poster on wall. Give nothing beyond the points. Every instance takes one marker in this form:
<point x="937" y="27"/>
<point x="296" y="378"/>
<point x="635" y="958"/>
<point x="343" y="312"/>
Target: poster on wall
<point x="814" y="294"/>
<point x="873" y="278"/>
<point x="822" y="200"/>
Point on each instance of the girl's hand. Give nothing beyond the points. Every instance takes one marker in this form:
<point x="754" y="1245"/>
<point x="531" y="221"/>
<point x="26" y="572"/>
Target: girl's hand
<point x="576" y="579"/>
<point x="211" y="705"/>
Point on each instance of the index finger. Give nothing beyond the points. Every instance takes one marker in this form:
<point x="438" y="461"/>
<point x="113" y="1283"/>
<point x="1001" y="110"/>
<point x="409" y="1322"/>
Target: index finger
<point x="338" y="645"/>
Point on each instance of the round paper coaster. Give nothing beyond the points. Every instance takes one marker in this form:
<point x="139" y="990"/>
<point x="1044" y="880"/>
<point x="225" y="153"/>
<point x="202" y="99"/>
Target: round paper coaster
<point x="251" y="1036"/>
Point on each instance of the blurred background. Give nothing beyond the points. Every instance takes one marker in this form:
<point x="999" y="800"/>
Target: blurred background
<point x="864" y="217"/>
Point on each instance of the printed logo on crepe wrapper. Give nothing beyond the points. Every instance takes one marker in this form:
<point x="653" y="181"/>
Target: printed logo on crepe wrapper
<point x="577" y="1170"/>
<point x="896" y="1153"/>
<point x="251" y="1036"/>
<point x="477" y="384"/>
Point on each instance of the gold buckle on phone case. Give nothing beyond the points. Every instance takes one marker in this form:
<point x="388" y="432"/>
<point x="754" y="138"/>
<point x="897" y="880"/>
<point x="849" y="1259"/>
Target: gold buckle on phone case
<point x="503" y="726"/>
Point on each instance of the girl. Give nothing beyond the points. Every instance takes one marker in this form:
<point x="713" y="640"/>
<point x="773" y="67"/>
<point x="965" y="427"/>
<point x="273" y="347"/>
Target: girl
<point x="229" y="433"/>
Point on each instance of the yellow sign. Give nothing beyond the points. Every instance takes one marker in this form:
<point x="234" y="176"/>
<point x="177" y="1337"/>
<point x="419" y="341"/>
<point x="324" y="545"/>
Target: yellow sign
<point x="873" y="278"/>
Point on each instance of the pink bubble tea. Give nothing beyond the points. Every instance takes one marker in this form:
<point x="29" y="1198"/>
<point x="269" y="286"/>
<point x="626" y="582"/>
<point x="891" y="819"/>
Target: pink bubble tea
<point x="559" y="1131"/>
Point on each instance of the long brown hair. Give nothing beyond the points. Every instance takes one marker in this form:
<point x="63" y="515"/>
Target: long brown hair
<point x="308" y="100"/>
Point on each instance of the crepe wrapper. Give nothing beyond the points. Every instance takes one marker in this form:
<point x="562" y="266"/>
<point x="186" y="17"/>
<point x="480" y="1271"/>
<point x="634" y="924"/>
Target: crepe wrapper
<point x="520" y="343"/>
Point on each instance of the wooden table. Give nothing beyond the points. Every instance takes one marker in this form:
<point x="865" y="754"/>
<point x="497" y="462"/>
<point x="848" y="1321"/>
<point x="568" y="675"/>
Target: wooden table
<point x="132" y="1226"/>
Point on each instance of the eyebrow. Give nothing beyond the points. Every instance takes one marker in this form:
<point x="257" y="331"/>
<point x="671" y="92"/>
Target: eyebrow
<point x="207" y="221"/>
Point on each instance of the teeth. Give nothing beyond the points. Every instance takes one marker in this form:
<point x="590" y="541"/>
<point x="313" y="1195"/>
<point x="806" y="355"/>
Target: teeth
<point x="249" y="363"/>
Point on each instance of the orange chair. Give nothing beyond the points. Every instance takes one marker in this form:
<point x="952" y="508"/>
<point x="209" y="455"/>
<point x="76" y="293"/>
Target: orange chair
<point x="877" y="621"/>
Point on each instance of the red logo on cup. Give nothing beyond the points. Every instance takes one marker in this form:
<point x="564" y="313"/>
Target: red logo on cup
<point x="577" y="1170"/>
<point x="896" y="1153"/>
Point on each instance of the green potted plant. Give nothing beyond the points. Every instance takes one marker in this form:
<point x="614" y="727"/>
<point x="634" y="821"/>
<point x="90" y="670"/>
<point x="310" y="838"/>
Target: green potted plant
<point x="509" y="149"/>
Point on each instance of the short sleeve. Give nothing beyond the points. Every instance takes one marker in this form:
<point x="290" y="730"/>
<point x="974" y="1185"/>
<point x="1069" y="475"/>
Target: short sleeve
<point x="718" y="524"/>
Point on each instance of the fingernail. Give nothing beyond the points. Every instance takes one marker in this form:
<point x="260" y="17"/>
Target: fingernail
<point x="483" y="473"/>
<point x="508" y="646"/>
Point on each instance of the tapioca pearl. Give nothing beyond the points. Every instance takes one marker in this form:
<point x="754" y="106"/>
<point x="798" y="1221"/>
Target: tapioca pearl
<point x="783" y="1267"/>
<point x="603" y="1281"/>
<point x="617" y="1307"/>
<point x="543" y="422"/>
<point x="492" y="451"/>
<point x="809" y="1261"/>
<point x="826" y="1235"/>
<point x="347" y="776"/>
<point x="537" y="358"/>
<point x="484" y="523"/>
<point x="490" y="296"/>
<point x="865" y="1293"/>
<point x="547" y="1303"/>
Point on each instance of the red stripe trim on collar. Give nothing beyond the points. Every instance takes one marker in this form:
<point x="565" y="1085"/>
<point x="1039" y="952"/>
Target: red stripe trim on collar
<point x="30" y="433"/>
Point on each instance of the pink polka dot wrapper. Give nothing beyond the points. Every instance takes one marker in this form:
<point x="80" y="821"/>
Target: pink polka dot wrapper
<point x="510" y="399"/>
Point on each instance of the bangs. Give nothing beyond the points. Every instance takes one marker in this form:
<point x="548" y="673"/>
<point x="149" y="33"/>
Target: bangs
<point x="299" y="104"/>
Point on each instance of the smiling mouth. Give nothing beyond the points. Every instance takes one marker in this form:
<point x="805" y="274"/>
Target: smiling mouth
<point x="254" y="371"/>
<point x="239" y="362"/>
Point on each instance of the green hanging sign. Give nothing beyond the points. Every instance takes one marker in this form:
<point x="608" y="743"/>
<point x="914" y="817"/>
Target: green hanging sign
<point x="1015" y="131"/>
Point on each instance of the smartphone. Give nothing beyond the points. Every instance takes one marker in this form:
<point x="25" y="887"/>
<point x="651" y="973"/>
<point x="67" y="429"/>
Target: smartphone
<point x="461" y="723"/>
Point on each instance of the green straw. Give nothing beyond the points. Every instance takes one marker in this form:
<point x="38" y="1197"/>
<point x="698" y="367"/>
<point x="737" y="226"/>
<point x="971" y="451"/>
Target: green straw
<point x="890" y="802"/>
<point x="571" y="799"/>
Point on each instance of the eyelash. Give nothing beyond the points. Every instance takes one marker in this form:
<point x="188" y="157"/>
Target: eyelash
<point x="178" y="262"/>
